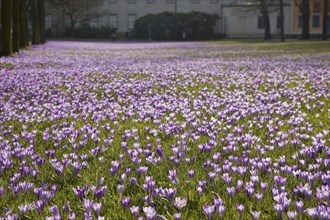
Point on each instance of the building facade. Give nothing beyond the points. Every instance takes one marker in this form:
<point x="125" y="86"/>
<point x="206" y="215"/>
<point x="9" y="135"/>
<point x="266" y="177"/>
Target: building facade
<point x="238" y="18"/>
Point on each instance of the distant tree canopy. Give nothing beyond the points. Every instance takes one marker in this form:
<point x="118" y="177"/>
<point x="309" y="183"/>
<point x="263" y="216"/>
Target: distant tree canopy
<point x="77" y="11"/>
<point x="170" y="26"/>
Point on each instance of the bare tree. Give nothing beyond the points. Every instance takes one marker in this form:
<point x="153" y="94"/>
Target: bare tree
<point x="23" y="22"/>
<point x="35" y="22"/>
<point x="16" y="26"/>
<point x="6" y="26"/>
<point x="264" y="7"/>
<point x="77" y="11"/>
<point x="38" y="21"/>
<point x="282" y="19"/>
<point x="303" y="6"/>
<point x="325" y="20"/>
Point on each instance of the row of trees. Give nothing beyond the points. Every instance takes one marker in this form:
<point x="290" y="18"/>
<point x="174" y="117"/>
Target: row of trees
<point x="265" y="7"/>
<point x="304" y="7"/>
<point x="14" y="24"/>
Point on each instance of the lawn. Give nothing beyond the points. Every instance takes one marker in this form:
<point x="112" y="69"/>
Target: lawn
<point x="227" y="129"/>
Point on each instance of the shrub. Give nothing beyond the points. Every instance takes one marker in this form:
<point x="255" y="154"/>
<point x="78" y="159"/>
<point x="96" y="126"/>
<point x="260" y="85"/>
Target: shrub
<point x="169" y="26"/>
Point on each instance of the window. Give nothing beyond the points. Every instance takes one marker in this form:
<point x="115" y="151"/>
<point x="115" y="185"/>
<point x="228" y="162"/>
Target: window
<point x="48" y="21"/>
<point x="316" y="21"/>
<point x="113" y="21"/>
<point x="316" y="6"/>
<point x="93" y="23"/>
<point x="261" y="22"/>
<point x="195" y="1"/>
<point x="300" y="21"/>
<point x="131" y="21"/>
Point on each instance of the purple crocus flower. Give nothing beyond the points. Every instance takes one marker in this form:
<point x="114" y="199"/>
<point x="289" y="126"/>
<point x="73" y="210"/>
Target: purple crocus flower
<point x="256" y="215"/>
<point x="279" y="209"/>
<point x="40" y="206"/>
<point x="300" y="206"/>
<point x="177" y="216"/>
<point x="55" y="212"/>
<point x="99" y="193"/>
<point x="135" y="210"/>
<point x="191" y="174"/>
<point x="312" y="212"/>
<point x="172" y="176"/>
<point x="170" y="193"/>
<point x="240" y="209"/>
<point x="292" y="215"/>
<point x="150" y="213"/>
<point x="179" y="203"/>
<point x="97" y="208"/>
<point x="147" y="199"/>
<point x="221" y="210"/>
<point x="209" y="211"/>
<point x="231" y="192"/>
<point x="126" y="202"/>
<point x="217" y="202"/>
<point x="24" y="209"/>
<point x="120" y="189"/>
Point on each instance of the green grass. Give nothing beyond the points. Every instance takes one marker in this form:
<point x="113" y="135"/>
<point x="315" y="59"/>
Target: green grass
<point x="291" y="46"/>
<point x="112" y="209"/>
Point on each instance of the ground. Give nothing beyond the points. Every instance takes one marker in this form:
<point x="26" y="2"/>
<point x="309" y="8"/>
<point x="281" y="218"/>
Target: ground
<point x="166" y="130"/>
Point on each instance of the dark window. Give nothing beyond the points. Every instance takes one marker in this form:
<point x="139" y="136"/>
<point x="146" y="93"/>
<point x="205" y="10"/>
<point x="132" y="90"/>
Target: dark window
<point x="48" y="21"/>
<point x="278" y="22"/>
<point x="113" y="21"/>
<point x="131" y="21"/>
<point x="328" y="24"/>
<point x="316" y="21"/>
<point x="300" y="22"/>
<point x="261" y="22"/>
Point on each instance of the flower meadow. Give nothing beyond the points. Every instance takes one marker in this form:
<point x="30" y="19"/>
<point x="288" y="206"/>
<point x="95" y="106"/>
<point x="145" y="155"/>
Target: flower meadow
<point x="164" y="131"/>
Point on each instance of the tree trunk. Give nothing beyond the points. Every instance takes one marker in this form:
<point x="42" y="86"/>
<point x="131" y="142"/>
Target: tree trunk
<point x="325" y="20"/>
<point x="6" y="26"/>
<point x="72" y="24"/>
<point x="268" y="35"/>
<point x="35" y="22"/>
<point x="305" y="17"/>
<point x="16" y="26"/>
<point x="41" y="14"/>
<point x="282" y="20"/>
<point x="23" y="24"/>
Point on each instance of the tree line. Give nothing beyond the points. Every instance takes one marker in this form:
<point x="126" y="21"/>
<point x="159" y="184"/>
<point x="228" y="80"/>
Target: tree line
<point x="15" y="15"/>
<point x="265" y="7"/>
